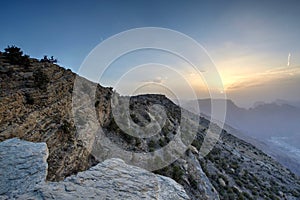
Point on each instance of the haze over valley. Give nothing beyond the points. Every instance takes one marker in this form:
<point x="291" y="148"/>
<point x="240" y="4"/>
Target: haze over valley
<point x="273" y="127"/>
<point x="160" y="100"/>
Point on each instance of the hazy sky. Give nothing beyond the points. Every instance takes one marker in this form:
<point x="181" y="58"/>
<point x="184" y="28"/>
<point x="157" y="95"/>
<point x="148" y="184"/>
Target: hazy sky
<point x="254" y="44"/>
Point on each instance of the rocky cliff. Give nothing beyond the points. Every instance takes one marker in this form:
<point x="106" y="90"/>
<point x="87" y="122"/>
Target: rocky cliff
<point x="36" y="105"/>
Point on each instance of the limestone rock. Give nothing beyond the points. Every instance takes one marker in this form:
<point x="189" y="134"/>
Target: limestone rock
<point x="23" y="165"/>
<point x="23" y="174"/>
<point x="193" y="149"/>
<point x="222" y="182"/>
<point x="113" y="179"/>
<point x="205" y="188"/>
<point x="237" y="189"/>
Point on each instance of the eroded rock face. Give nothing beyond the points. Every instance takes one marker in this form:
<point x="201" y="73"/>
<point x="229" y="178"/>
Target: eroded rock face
<point x="24" y="173"/>
<point x="36" y="105"/>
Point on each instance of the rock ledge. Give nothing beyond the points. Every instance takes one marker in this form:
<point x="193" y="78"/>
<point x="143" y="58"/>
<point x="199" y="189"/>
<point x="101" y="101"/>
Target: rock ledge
<point x="24" y="173"/>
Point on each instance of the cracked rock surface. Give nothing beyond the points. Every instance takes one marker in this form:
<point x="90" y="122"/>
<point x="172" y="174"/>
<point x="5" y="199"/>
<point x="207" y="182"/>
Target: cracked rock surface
<point x="24" y="167"/>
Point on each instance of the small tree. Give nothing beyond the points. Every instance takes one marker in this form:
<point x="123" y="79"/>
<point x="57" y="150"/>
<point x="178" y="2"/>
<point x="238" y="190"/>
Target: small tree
<point x="52" y="60"/>
<point x="49" y="60"/>
<point x="15" y="56"/>
<point x="13" y="51"/>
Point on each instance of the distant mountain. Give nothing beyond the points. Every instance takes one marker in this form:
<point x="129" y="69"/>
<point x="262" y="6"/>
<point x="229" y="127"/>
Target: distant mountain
<point x="261" y="121"/>
<point x="292" y="103"/>
<point x="266" y="122"/>
<point x="233" y="111"/>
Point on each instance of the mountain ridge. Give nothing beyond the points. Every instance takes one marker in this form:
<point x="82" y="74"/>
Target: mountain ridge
<point x="40" y="110"/>
<point x="262" y="122"/>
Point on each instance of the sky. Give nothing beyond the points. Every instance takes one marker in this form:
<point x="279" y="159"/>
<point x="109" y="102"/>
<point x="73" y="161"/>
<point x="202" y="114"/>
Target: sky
<point x="254" y="45"/>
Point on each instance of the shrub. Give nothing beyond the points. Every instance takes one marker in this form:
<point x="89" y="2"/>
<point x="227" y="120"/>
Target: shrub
<point x="196" y="143"/>
<point x="66" y="126"/>
<point x="177" y="173"/>
<point x="254" y="192"/>
<point x="138" y="142"/>
<point x="128" y="138"/>
<point x="29" y="100"/>
<point x="240" y="197"/>
<point x="49" y="60"/>
<point x="113" y="126"/>
<point x="68" y="130"/>
<point x="162" y="142"/>
<point x="193" y="183"/>
<point x="41" y="79"/>
<point x="151" y="145"/>
<point x="97" y="103"/>
<point x="245" y="194"/>
<point x="15" y="56"/>
<point x="295" y="194"/>
<point x="239" y="183"/>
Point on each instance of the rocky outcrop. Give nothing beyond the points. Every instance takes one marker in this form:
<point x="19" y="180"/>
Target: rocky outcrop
<point x="36" y="105"/>
<point x="113" y="179"/>
<point x="23" y="172"/>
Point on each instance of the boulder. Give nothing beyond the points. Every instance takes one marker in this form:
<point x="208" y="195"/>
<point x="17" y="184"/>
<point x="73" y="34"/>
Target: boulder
<point x="24" y="173"/>
<point x="23" y="165"/>
<point x="113" y="179"/>
<point x="222" y="182"/>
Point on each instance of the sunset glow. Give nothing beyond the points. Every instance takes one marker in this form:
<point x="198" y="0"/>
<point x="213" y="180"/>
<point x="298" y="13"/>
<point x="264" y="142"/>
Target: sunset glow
<point x="254" y="45"/>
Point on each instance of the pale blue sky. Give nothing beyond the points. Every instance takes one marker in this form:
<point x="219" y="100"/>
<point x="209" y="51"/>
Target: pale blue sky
<point x="249" y="41"/>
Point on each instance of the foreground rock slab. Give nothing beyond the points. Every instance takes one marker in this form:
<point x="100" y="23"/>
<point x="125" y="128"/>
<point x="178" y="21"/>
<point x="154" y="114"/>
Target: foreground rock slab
<point x="22" y="166"/>
<point x="111" y="179"/>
